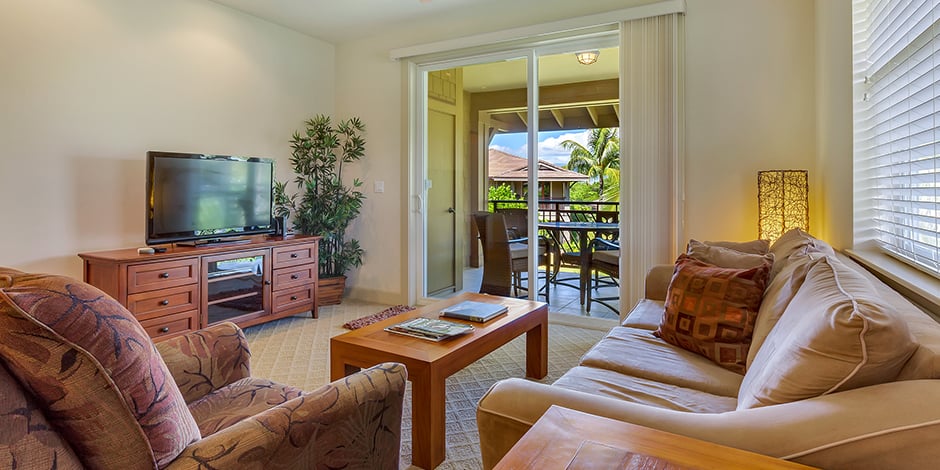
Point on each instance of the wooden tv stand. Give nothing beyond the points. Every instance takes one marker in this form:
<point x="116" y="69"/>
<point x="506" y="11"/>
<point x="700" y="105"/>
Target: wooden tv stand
<point x="186" y="288"/>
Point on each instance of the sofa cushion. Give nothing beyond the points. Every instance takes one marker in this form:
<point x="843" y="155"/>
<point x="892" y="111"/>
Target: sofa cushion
<point x="794" y="244"/>
<point x="711" y="310"/>
<point x="643" y="391"/>
<point x="777" y="296"/>
<point x="834" y="335"/>
<point x="639" y="353"/>
<point x="726" y="257"/>
<point x="756" y="247"/>
<point x="93" y="368"/>
<point x="646" y="315"/>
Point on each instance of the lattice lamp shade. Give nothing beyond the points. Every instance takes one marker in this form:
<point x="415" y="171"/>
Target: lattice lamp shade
<point x="782" y="202"/>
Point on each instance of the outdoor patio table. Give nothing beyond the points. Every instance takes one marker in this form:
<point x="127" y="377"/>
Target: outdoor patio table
<point x="583" y="229"/>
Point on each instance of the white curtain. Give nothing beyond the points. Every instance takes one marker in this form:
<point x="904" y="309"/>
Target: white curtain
<point x="652" y="134"/>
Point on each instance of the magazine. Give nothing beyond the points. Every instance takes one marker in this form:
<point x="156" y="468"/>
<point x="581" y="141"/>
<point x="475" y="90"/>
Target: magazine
<point x="474" y="311"/>
<point x="429" y="328"/>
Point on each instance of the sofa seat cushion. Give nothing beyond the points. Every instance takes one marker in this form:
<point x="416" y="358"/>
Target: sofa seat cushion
<point x="639" y="353"/>
<point x="835" y="335"/>
<point x="643" y="391"/>
<point x="712" y="310"/>
<point x="92" y="367"/>
<point x="239" y="400"/>
<point x="646" y="315"/>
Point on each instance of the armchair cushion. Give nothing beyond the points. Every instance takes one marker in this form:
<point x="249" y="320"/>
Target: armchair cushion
<point x="206" y="360"/>
<point x="94" y="370"/>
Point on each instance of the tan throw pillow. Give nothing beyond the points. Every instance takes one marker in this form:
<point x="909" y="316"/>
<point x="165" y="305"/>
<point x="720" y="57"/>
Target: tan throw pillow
<point x="94" y="370"/>
<point x="834" y="335"/>
<point x="711" y="310"/>
<point x="754" y="247"/>
<point x="726" y="257"/>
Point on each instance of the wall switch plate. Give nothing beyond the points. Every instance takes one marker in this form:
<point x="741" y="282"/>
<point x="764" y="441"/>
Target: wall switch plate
<point x="379" y="186"/>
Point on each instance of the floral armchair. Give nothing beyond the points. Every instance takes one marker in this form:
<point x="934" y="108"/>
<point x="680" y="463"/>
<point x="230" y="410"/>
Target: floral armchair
<point x="82" y="386"/>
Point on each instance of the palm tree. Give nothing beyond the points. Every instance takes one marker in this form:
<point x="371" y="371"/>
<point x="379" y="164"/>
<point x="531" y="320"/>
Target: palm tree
<point x="601" y="155"/>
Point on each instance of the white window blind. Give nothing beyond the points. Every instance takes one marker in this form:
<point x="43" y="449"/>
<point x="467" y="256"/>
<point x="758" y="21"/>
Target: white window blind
<point x="897" y="115"/>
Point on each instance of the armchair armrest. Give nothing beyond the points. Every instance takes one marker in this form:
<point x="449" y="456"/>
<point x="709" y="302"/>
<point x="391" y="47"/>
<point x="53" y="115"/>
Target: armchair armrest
<point x="354" y="422"/>
<point x="206" y="360"/>
<point x="880" y="426"/>
<point x="657" y="281"/>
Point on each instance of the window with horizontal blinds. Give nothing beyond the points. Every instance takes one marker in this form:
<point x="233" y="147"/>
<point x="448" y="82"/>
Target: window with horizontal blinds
<point x="897" y="116"/>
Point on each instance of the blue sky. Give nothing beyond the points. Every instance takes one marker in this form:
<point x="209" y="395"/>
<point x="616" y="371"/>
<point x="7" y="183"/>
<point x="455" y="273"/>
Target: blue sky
<point x="550" y="148"/>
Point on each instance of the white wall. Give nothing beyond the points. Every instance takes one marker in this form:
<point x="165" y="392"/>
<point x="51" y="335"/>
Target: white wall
<point x="88" y="86"/>
<point x="750" y="106"/>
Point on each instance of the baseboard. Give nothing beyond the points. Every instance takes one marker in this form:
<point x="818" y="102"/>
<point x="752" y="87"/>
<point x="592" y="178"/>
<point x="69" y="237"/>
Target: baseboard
<point x="375" y="296"/>
<point x="599" y="324"/>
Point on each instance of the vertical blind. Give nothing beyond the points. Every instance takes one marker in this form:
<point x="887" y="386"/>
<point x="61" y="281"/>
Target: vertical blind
<point x="897" y="116"/>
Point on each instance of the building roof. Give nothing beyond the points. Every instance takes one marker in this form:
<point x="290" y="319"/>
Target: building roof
<point x="507" y="167"/>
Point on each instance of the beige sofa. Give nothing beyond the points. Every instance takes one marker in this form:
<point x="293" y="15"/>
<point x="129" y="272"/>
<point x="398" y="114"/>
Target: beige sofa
<point x="841" y="373"/>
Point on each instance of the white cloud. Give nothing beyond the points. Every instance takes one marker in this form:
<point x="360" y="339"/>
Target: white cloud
<point x="550" y="149"/>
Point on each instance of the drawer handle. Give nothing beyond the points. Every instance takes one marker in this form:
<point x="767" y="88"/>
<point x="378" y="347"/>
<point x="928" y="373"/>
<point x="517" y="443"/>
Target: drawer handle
<point x="164" y="275"/>
<point x="164" y="302"/>
<point x="165" y="329"/>
<point x="293" y="297"/>
<point x="293" y="255"/>
<point x="294" y="276"/>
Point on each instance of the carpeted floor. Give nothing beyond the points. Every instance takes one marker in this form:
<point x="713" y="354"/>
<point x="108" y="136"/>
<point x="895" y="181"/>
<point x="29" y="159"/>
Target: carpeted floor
<point x="295" y="351"/>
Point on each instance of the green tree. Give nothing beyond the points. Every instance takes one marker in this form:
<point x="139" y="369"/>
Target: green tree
<point x="601" y="155"/>
<point x="503" y="192"/>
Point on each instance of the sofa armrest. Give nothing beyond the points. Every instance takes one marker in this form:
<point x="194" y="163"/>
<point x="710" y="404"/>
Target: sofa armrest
<point x="206" y="360"/>
<point x="657" y="281"/>
<point x="892" y="425"/>
<point x="354" y="422"/>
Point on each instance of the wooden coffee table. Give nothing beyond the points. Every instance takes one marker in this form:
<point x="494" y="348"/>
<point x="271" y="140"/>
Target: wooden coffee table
<point x="570" y="439"/>
<point x="430" y="363"/>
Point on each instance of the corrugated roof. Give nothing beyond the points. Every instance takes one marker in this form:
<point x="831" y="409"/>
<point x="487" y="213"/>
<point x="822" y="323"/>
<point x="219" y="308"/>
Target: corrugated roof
<point x="507" y="167"/>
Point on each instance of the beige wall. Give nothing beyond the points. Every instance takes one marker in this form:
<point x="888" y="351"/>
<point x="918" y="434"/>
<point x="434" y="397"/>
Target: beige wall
<point x="750" y="106"/>
<point x="88" y="86"/>
<point x="833" y="183"/>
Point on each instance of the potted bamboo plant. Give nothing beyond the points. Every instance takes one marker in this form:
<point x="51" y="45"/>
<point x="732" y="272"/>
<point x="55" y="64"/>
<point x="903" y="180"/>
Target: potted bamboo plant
<point x="324" y="204"/>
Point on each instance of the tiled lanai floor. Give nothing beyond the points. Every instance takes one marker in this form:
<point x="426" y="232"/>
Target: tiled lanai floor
<point x="563" y="299"/>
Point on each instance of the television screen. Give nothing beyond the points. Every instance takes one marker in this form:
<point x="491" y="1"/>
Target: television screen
<point x="192" y="197"/>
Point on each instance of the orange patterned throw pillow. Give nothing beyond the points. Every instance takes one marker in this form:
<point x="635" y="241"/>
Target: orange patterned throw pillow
<point x="711" y="310"/>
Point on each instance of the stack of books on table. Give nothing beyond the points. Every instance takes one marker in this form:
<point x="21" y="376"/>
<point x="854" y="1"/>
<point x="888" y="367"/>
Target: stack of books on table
<point x="429" y="328"/>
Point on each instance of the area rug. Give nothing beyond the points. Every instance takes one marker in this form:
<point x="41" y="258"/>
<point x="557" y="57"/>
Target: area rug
<point x="377" y="317"/>
<point x="295" y="351"/>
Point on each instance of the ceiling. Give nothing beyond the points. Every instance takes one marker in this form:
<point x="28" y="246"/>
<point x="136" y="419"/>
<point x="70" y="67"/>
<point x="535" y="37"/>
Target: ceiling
<point x="336" y="21"/>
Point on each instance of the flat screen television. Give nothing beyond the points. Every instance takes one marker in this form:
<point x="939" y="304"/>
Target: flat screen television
<point x="207" y="198"/>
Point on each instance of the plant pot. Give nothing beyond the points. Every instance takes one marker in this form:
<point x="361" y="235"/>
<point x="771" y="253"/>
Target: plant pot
<point x="330" y="290"/>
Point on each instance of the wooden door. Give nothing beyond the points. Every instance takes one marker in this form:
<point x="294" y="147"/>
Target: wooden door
<point x="442" y="268"/>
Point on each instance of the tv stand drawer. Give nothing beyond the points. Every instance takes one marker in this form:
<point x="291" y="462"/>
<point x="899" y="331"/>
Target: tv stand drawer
<point x="152" y="276"/>
<point x="166" y="327"/>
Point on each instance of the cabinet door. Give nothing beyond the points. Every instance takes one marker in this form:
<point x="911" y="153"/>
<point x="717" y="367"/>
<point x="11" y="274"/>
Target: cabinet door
<point x="236" y="286"/>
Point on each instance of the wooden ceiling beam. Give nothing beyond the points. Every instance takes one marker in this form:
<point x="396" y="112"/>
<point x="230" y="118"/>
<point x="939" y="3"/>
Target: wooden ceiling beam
<point x="592" y="111"/>
<point x="559" y="118"/>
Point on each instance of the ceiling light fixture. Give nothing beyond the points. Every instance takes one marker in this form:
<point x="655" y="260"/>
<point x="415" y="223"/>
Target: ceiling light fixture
<point x="587" y="57"/>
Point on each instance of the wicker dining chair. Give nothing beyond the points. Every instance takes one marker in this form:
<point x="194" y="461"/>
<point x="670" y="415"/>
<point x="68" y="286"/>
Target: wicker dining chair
<point x="505" y="259"/>
<point x="605" y="258"/>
